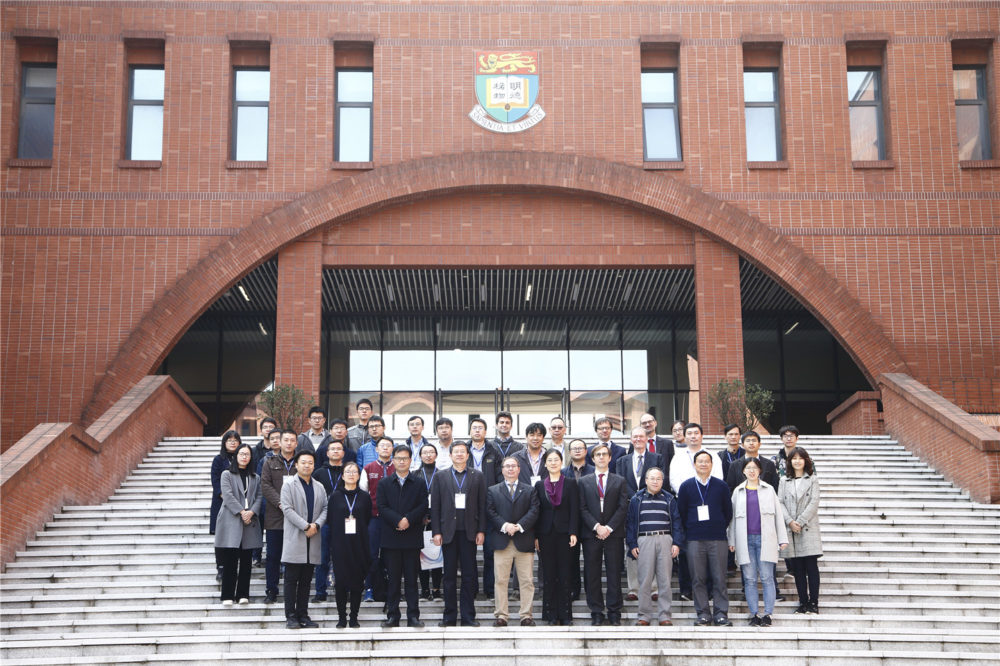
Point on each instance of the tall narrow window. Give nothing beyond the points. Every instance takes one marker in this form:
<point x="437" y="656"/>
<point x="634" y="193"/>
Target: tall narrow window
<point x="972" y="116"/>
<point x="864" y="98"/>
<point x="37" y="119"/>
<point x="660" y="121"/>
<point x="762" y="106"/>
<point x="251" y="95"/>
<point x="145" y="113"/>
<point x="354" y="115"/>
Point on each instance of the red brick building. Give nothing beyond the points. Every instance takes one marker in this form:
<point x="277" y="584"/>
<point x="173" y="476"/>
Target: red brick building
<point x="869" y="188"/>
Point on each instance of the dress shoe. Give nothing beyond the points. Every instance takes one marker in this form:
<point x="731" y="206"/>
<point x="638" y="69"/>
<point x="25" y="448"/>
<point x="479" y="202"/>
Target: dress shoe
<point x="702" y="622"/>
<point x="470" y="623"/>
<point x="527" y="622"/>
<point x="320" y="597"/>
<point x="270" y="598"/>
<point x="354" y="624"/>
<point x="666" y="623"/>
<point x="292" y="624"/>
<point x="499" y="622"/>
<point x="723" y="621"/>
<point x="342" y="623"/>
<point x="306" y="623"/>
<point x="812" y="609"/>
<point x="614" y="620"/>
<point x="642" y="623"/>
<point x="765" y="621"/>
<point x="802" y="609"/>
<point x="632" y="597"/>
<point x="416" y="624"/>
<point x="596" y="619"/>
<point x="390" y="624"/>
<point x="444" y="623"/>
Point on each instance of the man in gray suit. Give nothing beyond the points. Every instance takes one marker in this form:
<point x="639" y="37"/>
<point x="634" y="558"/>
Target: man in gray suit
<point x="512" y="509"/>
<point x="304" y="505"/>
<point x="458" y="525"/>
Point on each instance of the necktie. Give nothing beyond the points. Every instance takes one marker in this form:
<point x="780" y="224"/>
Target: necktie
<point x="638" y="467"/>
<point x="512" y="489"/>
<point x="652" y="446"/>
<point x="600" y="484"/>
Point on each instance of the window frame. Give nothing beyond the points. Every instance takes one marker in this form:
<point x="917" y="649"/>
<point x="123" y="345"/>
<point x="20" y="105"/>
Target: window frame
<point x="132" y="103"/>
<point x="25" y="100"/>
<point x="779" y="147"/>
<point x="879" y="110"/>
<point x="338" y="106"/>
<point x="233" y="125"/>
<point x="982" y="101"/>
<point x="675" y="106"/>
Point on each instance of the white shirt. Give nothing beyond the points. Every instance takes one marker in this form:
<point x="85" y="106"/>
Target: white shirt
<point x="682" y="467"/>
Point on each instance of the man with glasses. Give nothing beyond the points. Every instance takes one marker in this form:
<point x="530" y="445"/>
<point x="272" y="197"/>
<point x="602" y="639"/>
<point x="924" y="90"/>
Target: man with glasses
<point x="512" y="510"/>
<point x="402" y="503"/>
<point x="789" y="435"/>
<point x="486" y="458"/>
<point x="677" y="432"/>
<point x="603" y="509"/>
<point x="603" y="428"/>
<point x="358" y="435"/>
<point x="656" y="443"/>
<point x="376" y="431"/>
<point x="576" y="468"/>
<point x="317" y="435"/>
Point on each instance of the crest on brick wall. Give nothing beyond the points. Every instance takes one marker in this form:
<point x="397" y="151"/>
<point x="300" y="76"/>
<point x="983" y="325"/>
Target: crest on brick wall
<point x="506" y="89"/>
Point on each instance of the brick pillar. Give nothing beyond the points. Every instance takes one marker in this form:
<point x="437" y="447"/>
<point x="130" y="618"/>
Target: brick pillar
<point x="719" y="319"/>
<point x="300" y="309"/>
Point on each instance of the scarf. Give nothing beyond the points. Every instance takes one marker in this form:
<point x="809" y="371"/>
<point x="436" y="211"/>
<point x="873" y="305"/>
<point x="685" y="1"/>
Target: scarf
<point x="554" y="490"/>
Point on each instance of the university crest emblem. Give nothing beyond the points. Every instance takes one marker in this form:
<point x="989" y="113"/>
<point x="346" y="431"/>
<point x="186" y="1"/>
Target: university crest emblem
<point x="506" y="88"/>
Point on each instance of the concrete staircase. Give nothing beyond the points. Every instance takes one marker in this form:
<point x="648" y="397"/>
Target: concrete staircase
<point x="911" y="574"/>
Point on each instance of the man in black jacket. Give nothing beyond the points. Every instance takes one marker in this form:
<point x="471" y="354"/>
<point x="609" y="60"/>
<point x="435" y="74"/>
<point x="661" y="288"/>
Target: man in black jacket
<point x="768" y="471"/>
<point x="603" y="509"/>
<point x="458" y="525"/>
<point x="485" y="457"/>
<point x="402" y="503"/>
<point x="512" y="509"/>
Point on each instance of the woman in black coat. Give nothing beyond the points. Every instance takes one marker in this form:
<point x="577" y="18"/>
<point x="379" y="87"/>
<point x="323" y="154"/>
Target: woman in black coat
<point x="227" y="456"/>
<point x="556" y="533"/>
<point x="348" y="515"/>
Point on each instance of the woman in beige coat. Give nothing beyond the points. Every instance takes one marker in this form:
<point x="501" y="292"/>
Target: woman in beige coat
<point x="799" y="495"/>
<point x="756" y="534"/>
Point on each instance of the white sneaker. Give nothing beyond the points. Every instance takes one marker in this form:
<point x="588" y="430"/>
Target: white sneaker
<point x="244" y="601"/>
<point x="227" y="602"/>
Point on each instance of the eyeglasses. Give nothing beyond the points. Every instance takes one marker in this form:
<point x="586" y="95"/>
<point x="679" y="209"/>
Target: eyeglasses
<point x="511" y="466"/>
<point x="401" y="458"/>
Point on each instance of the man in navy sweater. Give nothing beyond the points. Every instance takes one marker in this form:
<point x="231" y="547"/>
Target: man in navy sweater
<point x="706" y="509"/>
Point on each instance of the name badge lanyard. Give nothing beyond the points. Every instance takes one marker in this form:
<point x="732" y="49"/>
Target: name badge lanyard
<point x="535" y="465"/>
<point x="350" y="505"/>
<point x="730" y="457"/>
<point x="455" y="476"/>
<point x="333" y="486"/>
<point x="288" y="466"/>
<point x="697" y="482"/>
<point x="478" y="464"/>
<point x="427" y="482"/>
<point x="703" y="510"/>
<point x="500" y="446"/>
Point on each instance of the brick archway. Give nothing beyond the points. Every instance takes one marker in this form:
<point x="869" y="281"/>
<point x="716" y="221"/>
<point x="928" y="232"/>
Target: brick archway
<point x="171" y="315"/>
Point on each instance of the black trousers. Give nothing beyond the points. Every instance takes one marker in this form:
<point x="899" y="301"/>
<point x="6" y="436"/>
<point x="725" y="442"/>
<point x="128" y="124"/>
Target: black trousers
<point x="806" y="573"/>
<point x="402" y="563"/>
<point x="574" y="570"/>
<point x="555" y="556"/>
<point x="430" y="579"/>
<point x="236" y="565"/>
<point x="462" y="552"/>
<point x="298" y="581"/>
<point x="347" y="595"/>
<point x="611" y="554"/>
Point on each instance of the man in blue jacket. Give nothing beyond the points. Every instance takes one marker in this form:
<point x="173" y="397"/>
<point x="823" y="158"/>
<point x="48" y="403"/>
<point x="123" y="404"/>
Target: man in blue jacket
<point x="706" y="508"/>
<point x="654" y="536"/>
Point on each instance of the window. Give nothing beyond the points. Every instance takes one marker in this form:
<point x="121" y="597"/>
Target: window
<point x="864" y="99"/>
<point x="354" y="115"/>
<point x="145" y="113"/>
<point x="972" y="113"/>
<point x="251" y="92"/>
<point x="760" y="95"/>
<point x="661" y="127"/>
<point x="38" y="111"/>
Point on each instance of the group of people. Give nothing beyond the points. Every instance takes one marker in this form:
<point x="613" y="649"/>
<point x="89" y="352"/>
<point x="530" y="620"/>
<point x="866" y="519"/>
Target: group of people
<point x="350" y="502"/>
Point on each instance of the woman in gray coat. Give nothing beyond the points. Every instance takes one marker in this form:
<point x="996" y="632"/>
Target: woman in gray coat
<point x="237" y="532"/>
<point x="799" y="496"/>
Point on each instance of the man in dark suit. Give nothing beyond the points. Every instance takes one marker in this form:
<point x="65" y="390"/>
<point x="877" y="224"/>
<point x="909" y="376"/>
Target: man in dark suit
<point x="402" y="503"/>
<point x="512" y="509"/>
<point x="529" y="459"/>
<point x="458" y="525"/>
<point x="603" y="509"/>
<point x="485" y="457"/>
<point x="663" y="446"/>
<point x="603" y="428"/>
<point x="768" y="470"/>
<point x="633" y="468"/>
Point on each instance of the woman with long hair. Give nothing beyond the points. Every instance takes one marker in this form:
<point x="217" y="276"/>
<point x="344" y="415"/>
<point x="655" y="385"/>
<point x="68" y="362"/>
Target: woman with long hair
<point x="223" y="461"/>
<point x="556" y="533"/>
<point x="237" y="532"/>
<point x="799" y="495"/>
